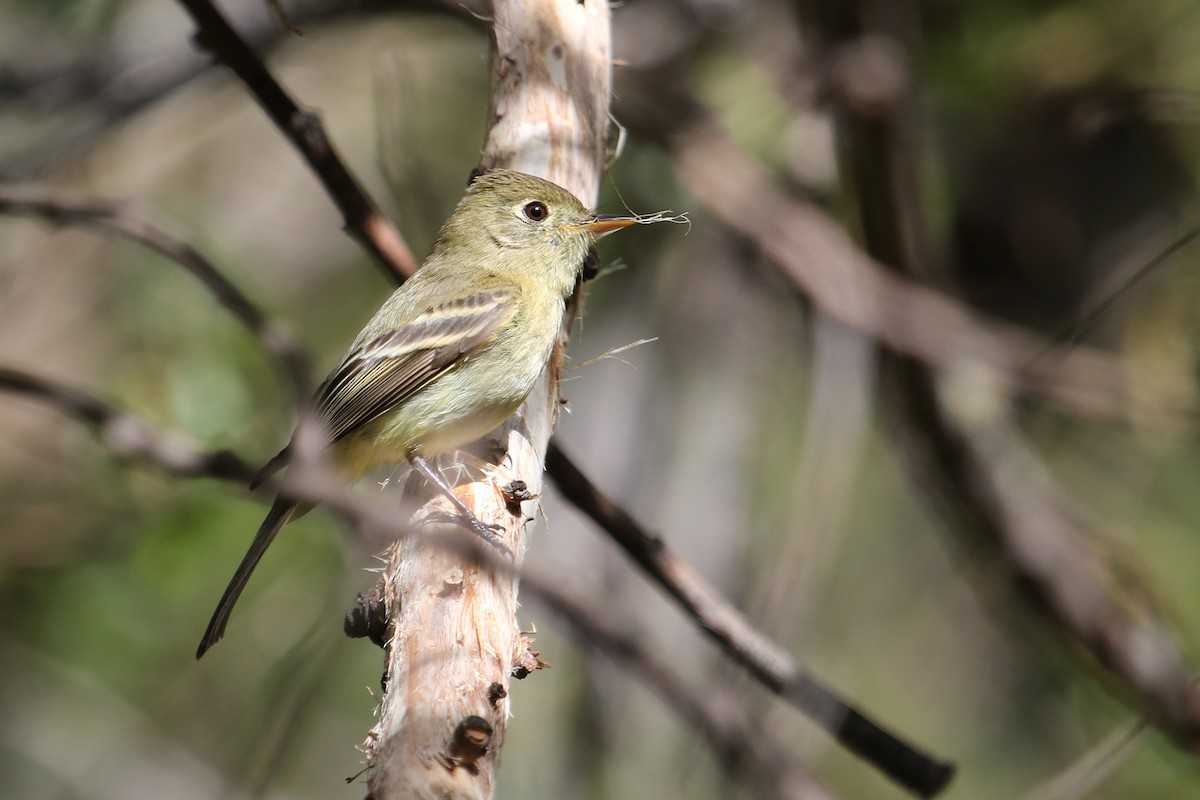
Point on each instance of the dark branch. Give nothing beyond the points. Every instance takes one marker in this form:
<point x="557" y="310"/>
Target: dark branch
<point x="304" y="130"/>
<point x="126" y="435"/>
<point x="109" y="215"/>
<point x="105" y="87"/>
<point x="737" y="637"/>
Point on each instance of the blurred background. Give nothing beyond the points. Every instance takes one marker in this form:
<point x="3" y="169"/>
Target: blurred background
<point x="1053" y="150"/>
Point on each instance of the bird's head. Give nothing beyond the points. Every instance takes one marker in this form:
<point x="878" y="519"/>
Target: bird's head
<point x="519" y="223"/>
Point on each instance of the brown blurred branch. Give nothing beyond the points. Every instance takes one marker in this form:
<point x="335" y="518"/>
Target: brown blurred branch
<point x="815" y="253"/>
<point x="124" y="220"/>
<point x="126" y="435"/>
<point x="1090" y="588"/>
<point x="737" y="637"/>
<point x="963" y="443"/>
<point x="304" y="130"/>
<point x="102" y="87"/>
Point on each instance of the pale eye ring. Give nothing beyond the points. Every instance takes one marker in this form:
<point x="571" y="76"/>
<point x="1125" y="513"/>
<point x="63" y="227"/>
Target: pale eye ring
<point x="535" y="211"/>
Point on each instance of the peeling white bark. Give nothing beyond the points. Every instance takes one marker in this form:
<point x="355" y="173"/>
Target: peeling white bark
<point x="453" y="627"/>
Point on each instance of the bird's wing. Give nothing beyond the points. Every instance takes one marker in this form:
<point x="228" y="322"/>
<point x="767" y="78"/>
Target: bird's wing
<point x="389" y="369"/>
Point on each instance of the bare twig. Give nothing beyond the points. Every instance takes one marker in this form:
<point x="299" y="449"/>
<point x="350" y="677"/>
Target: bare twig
<point x="126" y="435"/>
<point x="124" y="220"/>
<point x="1093" y="768"/>
<point x="363" y="219"/>
<point x="1089" y="587"/>
<point x="737" y="637"/>
<point x="281" y="14"/>
<point x="103" y="87"/>
<point x="1079" y="328"/>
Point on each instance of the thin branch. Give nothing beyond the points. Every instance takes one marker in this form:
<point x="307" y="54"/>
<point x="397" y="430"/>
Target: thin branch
<point x="126" y="435"/>
<point x="1089" y="587"/>
<point x="102" y="88"/>
<point x="281" y="14"/>
<point x="122" y="219"/>
<point x="1088" y="772"/>
<point x="304" y="130"/>
<point x="737" y="637"/>
<point x="1075" y="332"/>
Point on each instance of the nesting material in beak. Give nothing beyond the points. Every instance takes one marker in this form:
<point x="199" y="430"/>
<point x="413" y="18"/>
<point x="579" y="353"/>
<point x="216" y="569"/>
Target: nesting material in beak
<point x="603" y="224"/>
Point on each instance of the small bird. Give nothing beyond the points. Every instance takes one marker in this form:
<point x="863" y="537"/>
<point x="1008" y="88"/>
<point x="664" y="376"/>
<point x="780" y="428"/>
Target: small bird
<point x="454" y="351"/>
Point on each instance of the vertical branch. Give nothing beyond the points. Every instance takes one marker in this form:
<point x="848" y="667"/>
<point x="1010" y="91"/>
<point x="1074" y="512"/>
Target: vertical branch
<point x="453" y="640"/>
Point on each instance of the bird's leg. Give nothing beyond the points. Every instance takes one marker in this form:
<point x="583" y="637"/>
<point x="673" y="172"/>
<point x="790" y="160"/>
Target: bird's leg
<point x="468" y="518"/>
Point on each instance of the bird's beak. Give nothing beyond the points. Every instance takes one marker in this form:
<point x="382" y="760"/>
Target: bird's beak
<point x="603" y="224"/>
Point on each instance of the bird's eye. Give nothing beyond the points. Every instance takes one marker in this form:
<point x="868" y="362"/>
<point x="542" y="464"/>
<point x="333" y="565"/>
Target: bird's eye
<point x="535" y="211"/>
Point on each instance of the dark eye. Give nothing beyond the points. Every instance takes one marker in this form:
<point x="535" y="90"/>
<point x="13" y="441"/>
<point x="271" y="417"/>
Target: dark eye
<point x="535" y="211"/>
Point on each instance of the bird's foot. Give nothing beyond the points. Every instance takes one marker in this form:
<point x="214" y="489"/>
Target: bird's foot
<point x="483" y="530"/>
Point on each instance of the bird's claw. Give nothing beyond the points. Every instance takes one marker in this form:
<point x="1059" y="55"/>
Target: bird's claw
<point x="484" y="530"/>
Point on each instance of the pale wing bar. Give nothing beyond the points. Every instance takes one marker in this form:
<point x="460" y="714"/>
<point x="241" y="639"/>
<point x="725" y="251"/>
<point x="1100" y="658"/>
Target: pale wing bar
<point x="391" y="368"/>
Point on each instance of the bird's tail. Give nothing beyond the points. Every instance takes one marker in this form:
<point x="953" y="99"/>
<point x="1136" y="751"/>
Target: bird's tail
<point x="279" y="515"/>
